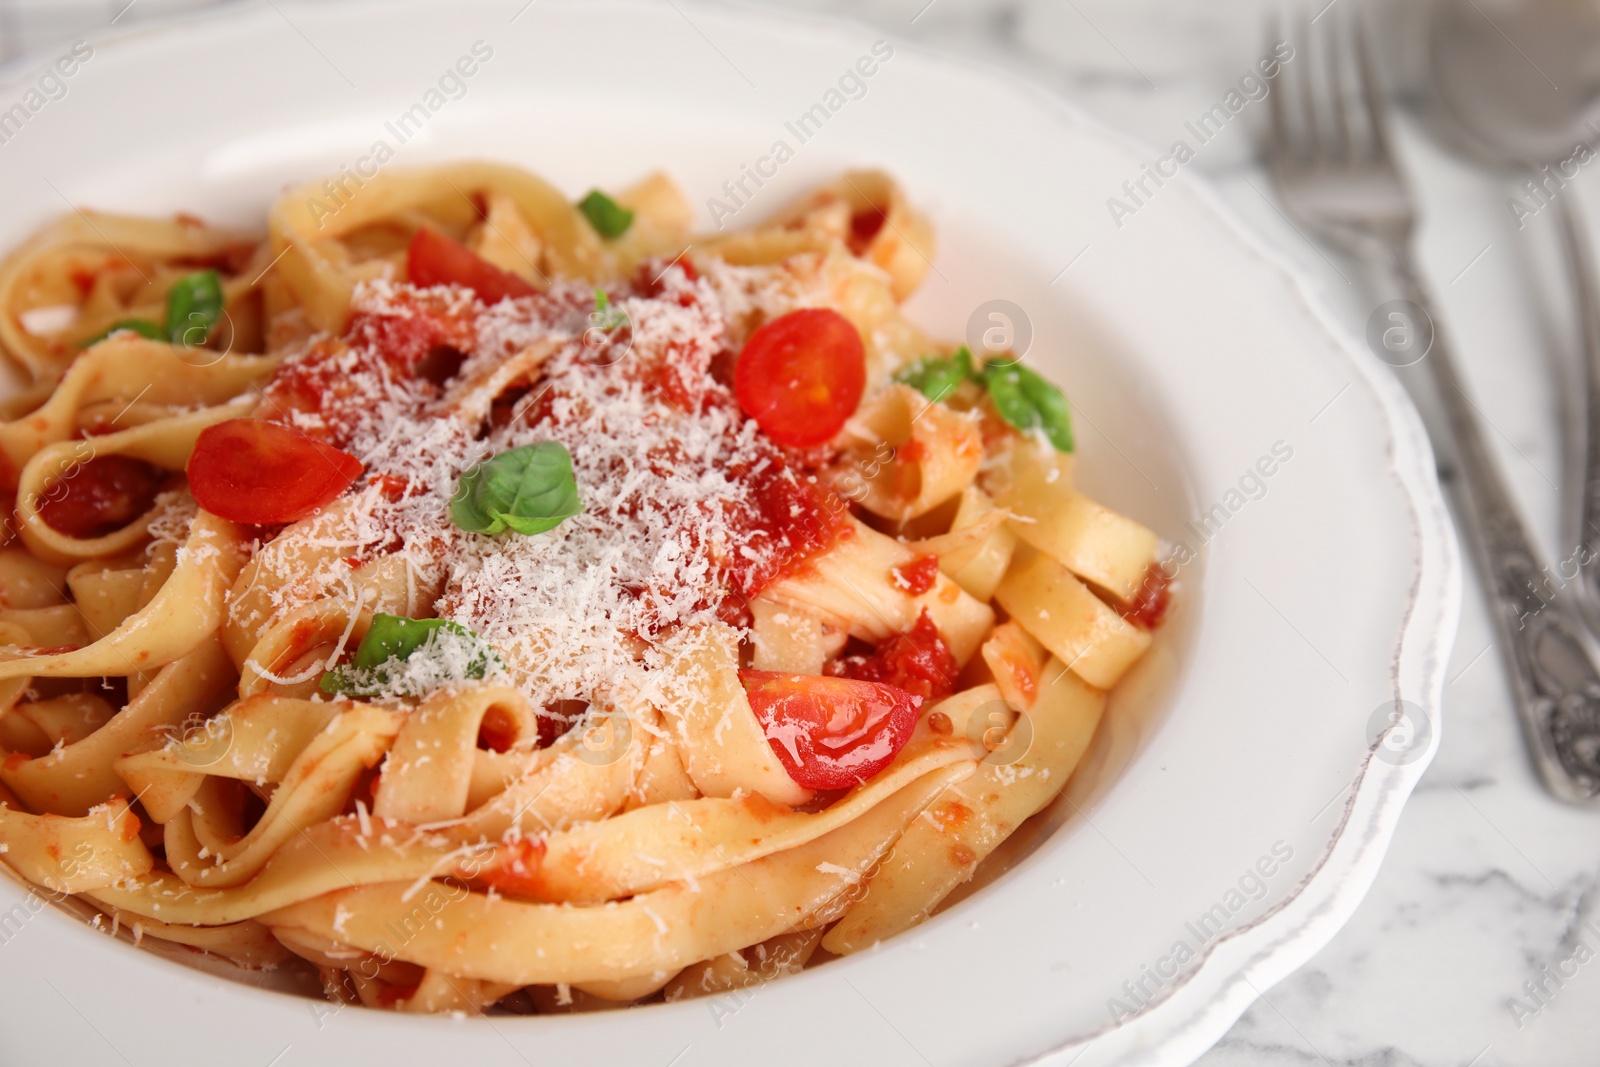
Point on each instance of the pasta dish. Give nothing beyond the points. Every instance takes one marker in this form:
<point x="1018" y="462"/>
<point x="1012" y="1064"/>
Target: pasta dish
<point x="478" y="599"/>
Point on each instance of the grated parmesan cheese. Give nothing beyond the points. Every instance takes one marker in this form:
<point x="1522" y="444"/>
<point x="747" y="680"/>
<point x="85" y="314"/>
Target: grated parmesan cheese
<point x="665" y="463"/>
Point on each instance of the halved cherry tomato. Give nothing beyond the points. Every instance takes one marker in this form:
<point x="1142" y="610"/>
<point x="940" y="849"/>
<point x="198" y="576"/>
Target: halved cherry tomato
<point x="830" y="733"/>
<point x="266" y="473"/>
<point x="434" y="259"/>
<point x="801" y="376"/>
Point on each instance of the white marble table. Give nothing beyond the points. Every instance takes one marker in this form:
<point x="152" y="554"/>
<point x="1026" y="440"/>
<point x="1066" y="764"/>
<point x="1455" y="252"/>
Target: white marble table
<point x="1488" y="882"/>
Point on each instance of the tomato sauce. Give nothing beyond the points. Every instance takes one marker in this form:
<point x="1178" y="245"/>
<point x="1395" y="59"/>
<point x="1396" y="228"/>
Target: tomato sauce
<point x="101" y="496"/>
<point x="420" y="337"/>
<point x="514" y="870"/>
<point x="648" y="278"/>
<point x="788" y="513"/>
<point x="319" y="381"/>
<point x="389" y="996"/>
<point x="917" y="576"/>
<point x="497" y="732"/>
<point x="415" y="322"/>
<point x="864" y="228"/>
<point x="1150" y="602"/>
<point x="917" y="661"/>
<point x="795" y="517"/>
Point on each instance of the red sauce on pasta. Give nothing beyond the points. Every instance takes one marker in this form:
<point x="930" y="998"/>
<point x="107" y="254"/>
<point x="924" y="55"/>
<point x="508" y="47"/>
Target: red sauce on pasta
<point x="800" y="516"/>
<point x="864" y="227"/>
<point x="1150" y="601"/>
<point x="916" y="577"/>
<point x="100" y="496"/>
<point x="421" y="340"/>
<point x="776" y="514"/>
<point x="917" y="661"/>
<point x="421" y="320"/>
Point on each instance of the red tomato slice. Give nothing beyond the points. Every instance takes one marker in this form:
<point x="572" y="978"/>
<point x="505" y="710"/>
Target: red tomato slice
<point x="801" y="376"/>
<point x="266" y="473"/>
<point x="434" y="259"/>
<point x="830" y="733"/>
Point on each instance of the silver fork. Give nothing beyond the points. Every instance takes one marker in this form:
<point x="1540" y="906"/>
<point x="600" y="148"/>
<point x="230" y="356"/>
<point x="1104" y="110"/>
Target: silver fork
<point x="1332" y="162"/>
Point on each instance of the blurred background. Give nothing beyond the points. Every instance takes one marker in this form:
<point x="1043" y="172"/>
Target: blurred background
<point x="1479" y="944"/>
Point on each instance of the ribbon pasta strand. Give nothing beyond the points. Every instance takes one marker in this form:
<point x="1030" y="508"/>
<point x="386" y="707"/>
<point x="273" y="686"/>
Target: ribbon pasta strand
<point x="450" y="770"/>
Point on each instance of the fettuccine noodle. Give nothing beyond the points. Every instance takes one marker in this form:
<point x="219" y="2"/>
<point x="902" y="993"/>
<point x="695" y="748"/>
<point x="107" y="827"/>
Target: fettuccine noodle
<point x="480" y="599"/>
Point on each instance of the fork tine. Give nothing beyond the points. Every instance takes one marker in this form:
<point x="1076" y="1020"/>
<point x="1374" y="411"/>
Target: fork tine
<point x="1341" y="134"/>
<point x="1308" y="87"/>
<point x="1278" y="143"/>
<point x="1377" y="118"/>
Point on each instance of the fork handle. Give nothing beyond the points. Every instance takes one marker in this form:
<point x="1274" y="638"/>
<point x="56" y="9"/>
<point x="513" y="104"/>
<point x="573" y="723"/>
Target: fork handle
<point x="1580" y="268"/>
<point x="1554" y="680"/>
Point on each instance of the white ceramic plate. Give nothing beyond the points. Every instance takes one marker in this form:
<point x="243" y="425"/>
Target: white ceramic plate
<point x="1236" y="810"/>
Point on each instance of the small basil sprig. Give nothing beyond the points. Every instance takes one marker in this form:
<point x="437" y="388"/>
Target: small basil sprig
<point x="527" y="490"/>
<point x="194" y="304"/>
<point x="142" y="327"/>
<point x="606" y="317"/>
<point x="394" y="637"/>
<point x="1028" y="402"/>
<point x="609" y="218"/>
<point x="936" y="377"/>
<point x="1022" y="398"/>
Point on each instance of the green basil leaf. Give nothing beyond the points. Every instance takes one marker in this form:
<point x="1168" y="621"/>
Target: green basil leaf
<point x="194" y="306"/>
<point x="142" y="327"/>
<point x="393" y="638"/>
<point x="936" y="377"/>
<point x="609" y="218"/>
<point x="605" y="317"/>
<point x="527" y="490"/>
<point x="337" y="682"/>
<point x="1028" y="402"/>
<point x="396" y="637"/>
